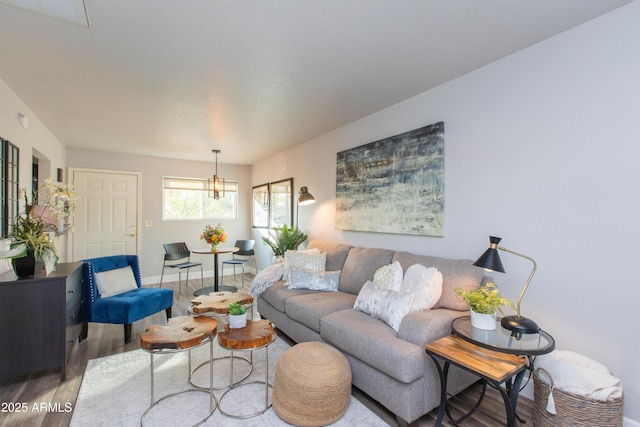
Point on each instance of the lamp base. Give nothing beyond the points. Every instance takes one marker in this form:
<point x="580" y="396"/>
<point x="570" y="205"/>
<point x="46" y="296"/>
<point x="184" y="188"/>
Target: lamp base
<point x="519" y="325"/>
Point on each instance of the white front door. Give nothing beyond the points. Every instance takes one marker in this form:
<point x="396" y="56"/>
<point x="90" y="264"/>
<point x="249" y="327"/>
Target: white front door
<point x="106" y="218"/>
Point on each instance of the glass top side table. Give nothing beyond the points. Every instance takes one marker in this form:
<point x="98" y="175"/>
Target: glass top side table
<point x="501" y="340"/>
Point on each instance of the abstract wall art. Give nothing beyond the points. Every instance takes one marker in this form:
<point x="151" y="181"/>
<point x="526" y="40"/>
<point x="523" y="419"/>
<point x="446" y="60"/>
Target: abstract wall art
<point x="394" y="185"/>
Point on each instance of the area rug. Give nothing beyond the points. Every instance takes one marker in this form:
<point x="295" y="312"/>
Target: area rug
<point x="115" y="391"/>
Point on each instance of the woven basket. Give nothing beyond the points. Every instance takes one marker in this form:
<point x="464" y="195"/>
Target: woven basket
<point x="571" y="409"/>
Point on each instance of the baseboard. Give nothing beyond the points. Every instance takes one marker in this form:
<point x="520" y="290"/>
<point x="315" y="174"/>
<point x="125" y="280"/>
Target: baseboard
<point x="155" y="280"/>
<point x="628" y="422"/>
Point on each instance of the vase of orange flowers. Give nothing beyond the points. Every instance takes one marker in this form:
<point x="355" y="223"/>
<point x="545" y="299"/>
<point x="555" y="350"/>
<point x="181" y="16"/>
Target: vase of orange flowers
<point x="213" y="235"/>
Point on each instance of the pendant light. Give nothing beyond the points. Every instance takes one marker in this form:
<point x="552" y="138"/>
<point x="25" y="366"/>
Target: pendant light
<point x="216" y="184"/>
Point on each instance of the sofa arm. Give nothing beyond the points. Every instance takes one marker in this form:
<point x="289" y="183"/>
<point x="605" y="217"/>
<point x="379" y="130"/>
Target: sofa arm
<point x="423" y="327"/>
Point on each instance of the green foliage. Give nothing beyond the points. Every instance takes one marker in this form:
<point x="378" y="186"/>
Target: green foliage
<point x="484" y="299"/>
<point x="32" y="233"/>
<point x="285" y="239"/>
<point x="236" y="309"/>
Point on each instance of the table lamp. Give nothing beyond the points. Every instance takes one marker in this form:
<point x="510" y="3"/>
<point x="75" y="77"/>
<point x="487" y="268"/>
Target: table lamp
<point x="490" y="260"/>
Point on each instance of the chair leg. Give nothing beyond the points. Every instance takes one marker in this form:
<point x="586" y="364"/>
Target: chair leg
<point x="127" y="333"/>
<point x="84" y="332"/>
<point x="243" y="276"/>
<point x="162" y="275"/>
<point x="179" y="283"/>
<point x="168" y="311"/>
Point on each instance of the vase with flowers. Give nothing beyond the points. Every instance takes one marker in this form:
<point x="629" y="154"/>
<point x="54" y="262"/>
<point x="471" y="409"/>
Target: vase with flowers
<point x="213" y="235"/>
<point x="31" y="244"/>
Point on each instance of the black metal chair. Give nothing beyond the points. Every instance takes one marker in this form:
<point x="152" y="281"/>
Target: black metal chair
<point x="176" y="254"/>
<point x="244" y="256"/>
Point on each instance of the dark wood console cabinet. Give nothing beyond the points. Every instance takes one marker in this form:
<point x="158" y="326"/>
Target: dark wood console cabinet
<point x="40" y="320"/>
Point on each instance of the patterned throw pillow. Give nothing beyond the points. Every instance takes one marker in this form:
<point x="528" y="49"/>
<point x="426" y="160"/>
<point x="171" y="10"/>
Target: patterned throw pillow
<point x="389" y="277"/>
<point x="425" y="284"/>
<point x="303" y="259"/>
<point x="287" y="260"/>
<point x="315" y="280"/>
<point x="388" y="306"/>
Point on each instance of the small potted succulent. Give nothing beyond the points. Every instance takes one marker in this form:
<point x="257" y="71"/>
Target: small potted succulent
<point x="484" y="301"/>
<point x="237" y="315"/>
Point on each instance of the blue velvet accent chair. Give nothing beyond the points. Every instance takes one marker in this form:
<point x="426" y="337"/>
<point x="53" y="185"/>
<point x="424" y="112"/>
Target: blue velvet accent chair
<point x="124" y="308"/>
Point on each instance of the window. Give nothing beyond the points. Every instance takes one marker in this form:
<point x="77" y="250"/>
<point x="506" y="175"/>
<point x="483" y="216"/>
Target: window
<point x="188" y="198"/>
<point x="9" y="192"/>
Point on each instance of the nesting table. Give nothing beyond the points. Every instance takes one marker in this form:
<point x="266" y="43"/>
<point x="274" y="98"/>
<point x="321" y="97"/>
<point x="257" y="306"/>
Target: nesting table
<point x="216" y="305"/>
<point x="256" y="335"/>
<point x="180" y="334"/>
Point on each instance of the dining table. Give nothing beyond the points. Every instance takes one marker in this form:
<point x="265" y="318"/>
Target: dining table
<point x="215" y="252"/>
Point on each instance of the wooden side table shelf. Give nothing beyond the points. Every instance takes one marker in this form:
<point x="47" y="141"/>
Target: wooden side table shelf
<point x="182" y="333"/>
<point x="493" y="367"/>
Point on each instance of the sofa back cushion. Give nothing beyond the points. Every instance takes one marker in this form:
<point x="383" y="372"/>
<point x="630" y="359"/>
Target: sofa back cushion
<point x="456" y="273"/>
<point x="360" y="266"/>
<point x="336" y="253"/>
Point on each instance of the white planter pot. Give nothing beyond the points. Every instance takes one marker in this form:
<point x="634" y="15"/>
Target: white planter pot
<point x="238" y="321"/>
<point x="483" y="321"/>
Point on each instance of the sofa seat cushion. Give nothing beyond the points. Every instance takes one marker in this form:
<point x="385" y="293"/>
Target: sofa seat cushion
<point x="361" y="265"/>
<point x="455" y="274"/>
<point x="310" y="308"/>
<point x="375" y="343"/>
<point x="130" y="306"/>
<point x="278" y="293"/>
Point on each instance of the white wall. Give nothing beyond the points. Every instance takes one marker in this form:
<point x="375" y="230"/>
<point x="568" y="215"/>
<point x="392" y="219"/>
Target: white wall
<point x="152" y="170"/>
<point x="36" y="139"/>
<point x="541" y="148"/>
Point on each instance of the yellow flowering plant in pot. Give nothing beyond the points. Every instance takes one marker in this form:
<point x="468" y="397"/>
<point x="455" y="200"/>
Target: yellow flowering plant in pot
<point x="484" y="300"/>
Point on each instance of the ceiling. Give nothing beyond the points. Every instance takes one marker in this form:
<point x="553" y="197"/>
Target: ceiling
<point x="177" y="79"/>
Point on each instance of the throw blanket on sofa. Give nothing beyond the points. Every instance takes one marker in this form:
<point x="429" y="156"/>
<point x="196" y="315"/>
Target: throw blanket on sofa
<point x="266" y="278"/>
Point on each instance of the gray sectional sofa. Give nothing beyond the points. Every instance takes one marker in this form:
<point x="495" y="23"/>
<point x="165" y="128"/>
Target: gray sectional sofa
<point x="391" y="367"/>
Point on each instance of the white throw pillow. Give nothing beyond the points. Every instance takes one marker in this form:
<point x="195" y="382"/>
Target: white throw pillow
<point x="114" y="282"/>
<point x="287" y="260"/>
<point x="326" y="281"/>
<point x="388" y="306"/>
<point x="425" y="284"/>
<point x="302" y="259"/>
<point x="389" y="277"/>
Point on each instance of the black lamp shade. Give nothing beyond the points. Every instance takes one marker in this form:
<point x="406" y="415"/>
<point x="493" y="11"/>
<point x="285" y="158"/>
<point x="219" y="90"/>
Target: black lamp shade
<point x="490" y="259"/>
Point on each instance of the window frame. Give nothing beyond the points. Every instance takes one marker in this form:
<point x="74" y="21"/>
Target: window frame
<point x="192" y="184"/>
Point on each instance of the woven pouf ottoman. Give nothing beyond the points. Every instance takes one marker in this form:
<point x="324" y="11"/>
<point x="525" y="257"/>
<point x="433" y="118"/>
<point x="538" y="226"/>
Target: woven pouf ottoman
<point x="312" y="385"/>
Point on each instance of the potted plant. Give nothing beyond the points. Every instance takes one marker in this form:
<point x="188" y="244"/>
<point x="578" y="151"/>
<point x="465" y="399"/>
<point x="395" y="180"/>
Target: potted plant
<point x="484" y="301"/>
<point x="31" y="242"/>
<point x="284" y="239"/>
<point x="237" y="315"/>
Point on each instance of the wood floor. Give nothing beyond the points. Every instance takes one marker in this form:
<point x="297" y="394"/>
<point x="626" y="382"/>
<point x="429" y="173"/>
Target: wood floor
<point x="48" y="402"/>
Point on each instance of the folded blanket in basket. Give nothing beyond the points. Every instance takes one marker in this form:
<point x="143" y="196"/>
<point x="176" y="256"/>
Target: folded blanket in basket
<point x="266" y="278"/>
<point x="577" y="374"/>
